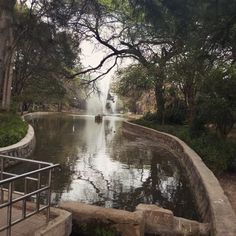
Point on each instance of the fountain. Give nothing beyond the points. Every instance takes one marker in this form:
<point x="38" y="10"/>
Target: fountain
<point x="102" y="102"/>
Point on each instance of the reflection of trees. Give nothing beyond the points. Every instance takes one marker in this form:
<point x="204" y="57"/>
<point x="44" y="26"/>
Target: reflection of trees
<point x="57" y="143"/>
<point x="154" y="174"/>
<point x="166" y="185"/>
<point x="174" y="196"/>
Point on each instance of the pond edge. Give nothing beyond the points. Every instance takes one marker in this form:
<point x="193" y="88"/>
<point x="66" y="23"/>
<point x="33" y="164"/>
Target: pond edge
<point x="23" y="148"/>
<point x="213" y="206"/>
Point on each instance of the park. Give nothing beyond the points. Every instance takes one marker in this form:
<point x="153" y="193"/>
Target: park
<point x="117" y="117"/>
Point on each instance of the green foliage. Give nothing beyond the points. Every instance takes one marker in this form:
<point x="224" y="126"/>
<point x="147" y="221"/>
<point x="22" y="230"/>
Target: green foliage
<point x="133" y="80"/>
<point x="45" y="56"/>
<point x="175" y="113"/>
<point x="217" y="104"/>
<point x="12" y="129"/>
<point x="101" y="231"/>
<point x="131" y="83"/>
<point x="94" y="228"/>
<point x="150" y="117"/>
<point x="218" y="154"/>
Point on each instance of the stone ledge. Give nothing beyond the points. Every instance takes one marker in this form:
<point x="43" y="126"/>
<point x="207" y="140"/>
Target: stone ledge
<point x="212" y="203"/>
<point x="149" y="219"/>
<point x="162" y="222"/>
<point x="23" y="148"/>
<point x="124" y="223"/>
<point x="61" y="225"/>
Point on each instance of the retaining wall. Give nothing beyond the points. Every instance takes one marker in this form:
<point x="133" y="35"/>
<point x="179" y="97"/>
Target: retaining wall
<point x="213" y="205"/>
<point x="23" y="148"/>
<point x="147" y="219"/>
<point x="61" y="225"/>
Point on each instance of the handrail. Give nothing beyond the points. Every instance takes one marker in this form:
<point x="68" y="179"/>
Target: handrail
<point x="28" y="174"/>
<point x="8" y="179"/>
<point x="26" y="160"/>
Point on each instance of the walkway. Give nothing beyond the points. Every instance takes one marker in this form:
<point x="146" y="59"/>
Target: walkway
<point x="228" y="183"/>
<point x="24" y="228"/>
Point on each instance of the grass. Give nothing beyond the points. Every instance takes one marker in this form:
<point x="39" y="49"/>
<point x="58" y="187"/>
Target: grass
<point x="218" y="154"/>
<point x="12" y="129"/>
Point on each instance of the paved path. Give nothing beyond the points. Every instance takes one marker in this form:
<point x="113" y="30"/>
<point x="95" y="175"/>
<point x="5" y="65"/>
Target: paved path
<point x="24" y="228"/>
<point x="228" y="183"/>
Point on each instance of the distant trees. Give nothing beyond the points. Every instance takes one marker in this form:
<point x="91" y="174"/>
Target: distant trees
<point x="131" y="83"/>
<point x="202" y="68"/>
<point x="126" y="33"/>
<point x="43" y="57"/>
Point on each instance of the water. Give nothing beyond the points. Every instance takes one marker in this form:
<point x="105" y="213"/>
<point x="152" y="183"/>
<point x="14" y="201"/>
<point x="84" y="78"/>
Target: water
<point x="103" y="165"/>
<point x="102" y="102"/>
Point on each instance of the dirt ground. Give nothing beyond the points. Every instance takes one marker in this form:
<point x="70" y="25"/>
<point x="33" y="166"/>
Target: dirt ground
<point x="228" y="183"/>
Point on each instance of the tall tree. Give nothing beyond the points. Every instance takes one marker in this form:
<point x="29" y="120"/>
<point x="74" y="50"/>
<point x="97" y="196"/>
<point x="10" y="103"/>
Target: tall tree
<point x="45" y="57"/>
<point x="125" y="33"/>
<point x="6" y="50"/>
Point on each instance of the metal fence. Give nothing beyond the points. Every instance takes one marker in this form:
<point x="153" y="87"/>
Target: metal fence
<point x="18" y="188"/>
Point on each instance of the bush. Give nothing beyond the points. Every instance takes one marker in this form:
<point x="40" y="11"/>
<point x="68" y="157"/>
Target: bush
<point x="175" y="113"/>
<point x="151" y="117"/>
<point x="12" y="129"/>
<point x="218" y="154"/>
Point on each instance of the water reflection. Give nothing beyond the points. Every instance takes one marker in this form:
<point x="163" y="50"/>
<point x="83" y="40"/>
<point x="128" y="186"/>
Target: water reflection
<point x="103" y="165"/>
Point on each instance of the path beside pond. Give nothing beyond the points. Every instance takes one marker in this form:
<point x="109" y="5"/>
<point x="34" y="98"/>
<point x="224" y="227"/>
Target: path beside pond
<point x="228" y="183"/>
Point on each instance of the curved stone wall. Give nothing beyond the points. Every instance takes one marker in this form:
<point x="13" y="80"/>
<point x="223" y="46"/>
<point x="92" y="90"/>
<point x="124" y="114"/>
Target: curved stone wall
<point x="213" y="205"/>
<point x="21" y="149"/>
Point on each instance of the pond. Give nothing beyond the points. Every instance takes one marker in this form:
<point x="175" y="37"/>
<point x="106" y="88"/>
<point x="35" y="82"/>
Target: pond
<point x="102" y="164"/>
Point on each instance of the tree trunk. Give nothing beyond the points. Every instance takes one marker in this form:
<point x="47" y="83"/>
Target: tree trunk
<point x="59" y="109"/>
<point x="160" y="101"/>
<point x="6" y="50"/>
<point x="191" y="108"/>
<point x="6" y="95"/>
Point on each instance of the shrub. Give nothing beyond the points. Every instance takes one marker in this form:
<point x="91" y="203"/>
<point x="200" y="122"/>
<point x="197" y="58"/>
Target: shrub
<point x="151" y="117"/>
<point x="218" y="154"/>
<point x="175" y="113"/>
<point x="12" y="129"/>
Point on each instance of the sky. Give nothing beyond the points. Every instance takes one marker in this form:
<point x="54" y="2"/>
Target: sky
<point x="93" y="53"/>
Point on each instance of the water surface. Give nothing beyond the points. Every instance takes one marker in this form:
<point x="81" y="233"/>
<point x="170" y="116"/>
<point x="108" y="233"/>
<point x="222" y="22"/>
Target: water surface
<point x="104" y="165"/>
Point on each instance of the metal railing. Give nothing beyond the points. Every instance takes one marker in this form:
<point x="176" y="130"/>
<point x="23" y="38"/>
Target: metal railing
<point x="16" y="188"/>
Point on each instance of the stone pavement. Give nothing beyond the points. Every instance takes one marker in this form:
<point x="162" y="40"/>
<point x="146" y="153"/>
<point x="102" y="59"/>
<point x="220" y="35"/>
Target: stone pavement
<point x="24" y="228"/>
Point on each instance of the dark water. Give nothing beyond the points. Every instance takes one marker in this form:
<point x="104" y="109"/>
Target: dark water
<point x="104" y="165"/>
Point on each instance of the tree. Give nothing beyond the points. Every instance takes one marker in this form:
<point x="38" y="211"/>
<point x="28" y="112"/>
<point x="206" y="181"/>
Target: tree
<point x="188" y="72"/>
<point x="125" y="33"/>
<point x="131" y="83"/>
<point x="219" y="21"/>
<point x="45" y="57"/>
<point x="6" y="50"/>
<point x="218" y="102"/>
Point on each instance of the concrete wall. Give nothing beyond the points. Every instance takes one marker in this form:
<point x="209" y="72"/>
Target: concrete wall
<point x="149" y="219"/>
<point x="21" y="149"/>
<point x="61" y="225"/>
<point x="213" y="205"/>
<point x="88" y="217"/>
